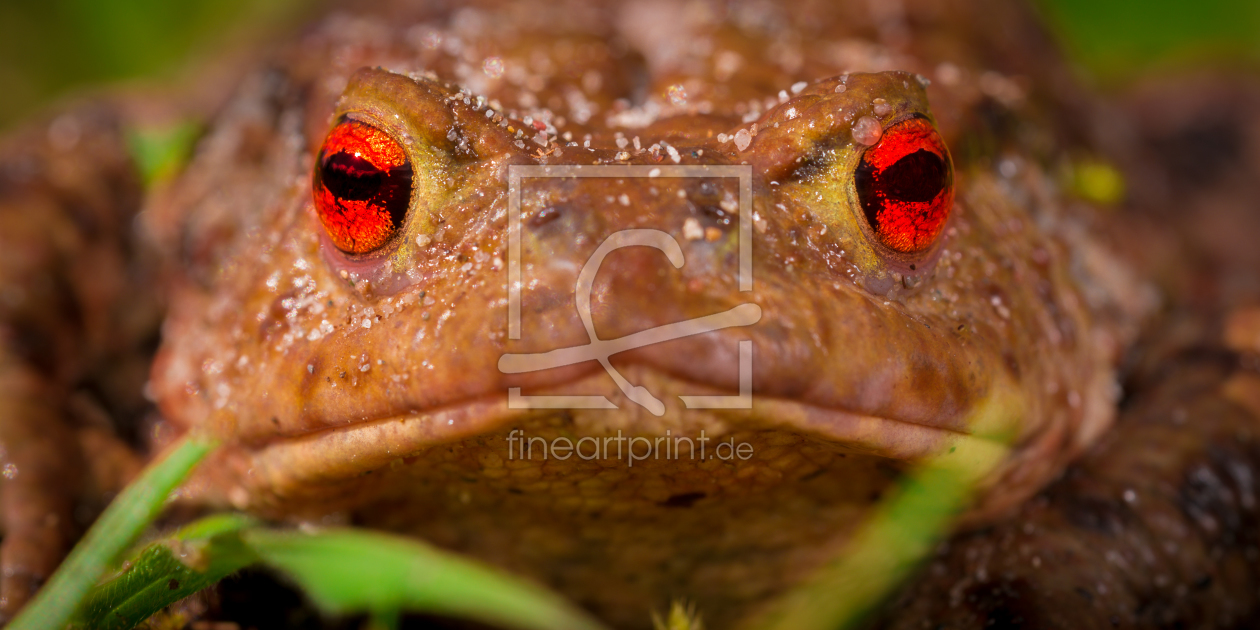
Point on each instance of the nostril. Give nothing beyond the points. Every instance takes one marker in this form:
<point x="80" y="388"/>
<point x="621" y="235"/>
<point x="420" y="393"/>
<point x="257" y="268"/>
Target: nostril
<point x="544" y="216"/>
<point x="716" y="215"/>
<point x="639" y="78"/>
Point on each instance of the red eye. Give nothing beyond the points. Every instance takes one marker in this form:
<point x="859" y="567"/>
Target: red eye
<point x="362" y="186"/>
<point x="906" y="185"/>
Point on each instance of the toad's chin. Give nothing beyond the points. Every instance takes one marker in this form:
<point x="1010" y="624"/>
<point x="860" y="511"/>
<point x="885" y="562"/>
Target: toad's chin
<point x="619" y="509"/>
<point x="783" y="441"/>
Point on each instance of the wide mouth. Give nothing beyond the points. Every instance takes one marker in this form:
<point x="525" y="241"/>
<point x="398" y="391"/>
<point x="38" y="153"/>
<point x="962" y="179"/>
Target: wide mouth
<point x="784" y="485"/>
<point x="289" y="469"/>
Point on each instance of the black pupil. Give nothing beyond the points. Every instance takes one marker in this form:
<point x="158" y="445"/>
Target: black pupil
<point x="917" y="177"/>
<point x="352" y="178"/>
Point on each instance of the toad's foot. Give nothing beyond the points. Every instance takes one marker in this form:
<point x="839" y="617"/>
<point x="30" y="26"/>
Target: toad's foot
<point x="42" y="466"/>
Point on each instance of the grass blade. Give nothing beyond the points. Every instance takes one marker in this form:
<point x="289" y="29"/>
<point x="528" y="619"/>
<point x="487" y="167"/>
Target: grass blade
<point x="344" y="570"/>
<point x="167" y="571"/>
<point x="886" y="549"/>
<point x="112" y="533"/>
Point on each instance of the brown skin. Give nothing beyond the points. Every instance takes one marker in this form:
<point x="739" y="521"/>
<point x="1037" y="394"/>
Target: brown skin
<point x="865" y="359"/>
<point x="367" y="387"/>
<point x="1156" y="526"/>
<point x="73" y="325"/>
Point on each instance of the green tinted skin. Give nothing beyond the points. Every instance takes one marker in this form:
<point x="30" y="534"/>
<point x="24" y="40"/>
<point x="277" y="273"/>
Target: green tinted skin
<point x="368" y="385"/>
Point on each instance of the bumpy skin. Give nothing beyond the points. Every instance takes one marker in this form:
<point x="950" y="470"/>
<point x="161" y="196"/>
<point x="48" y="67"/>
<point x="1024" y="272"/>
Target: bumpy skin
<point x="369" y="386"/>
<point x="76" y="334"/>
<point x="1156" y="526"/>
<point x="366" y="388"/>
<point x="1174" y="546"/>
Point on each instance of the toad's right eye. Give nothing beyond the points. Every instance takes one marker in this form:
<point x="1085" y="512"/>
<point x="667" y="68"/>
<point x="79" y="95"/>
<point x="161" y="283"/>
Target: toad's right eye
<point x="906" y="185"/>
<point x="362" y="186"/>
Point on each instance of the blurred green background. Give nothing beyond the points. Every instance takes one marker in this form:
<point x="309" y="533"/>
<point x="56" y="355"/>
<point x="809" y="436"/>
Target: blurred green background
<point x="51" y="47"/>
<point x="1115" y="40"/>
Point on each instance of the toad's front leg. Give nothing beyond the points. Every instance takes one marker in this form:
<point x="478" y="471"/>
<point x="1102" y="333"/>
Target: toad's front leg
<point x="42" y="471"/>
<point x="71" y="321"/>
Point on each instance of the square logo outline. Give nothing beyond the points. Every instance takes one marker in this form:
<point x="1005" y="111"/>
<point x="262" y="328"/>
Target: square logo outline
<point x="517" y="173"/>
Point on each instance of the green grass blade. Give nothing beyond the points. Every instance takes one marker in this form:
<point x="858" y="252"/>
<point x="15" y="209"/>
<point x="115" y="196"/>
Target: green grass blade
<point x="345" y="570"/>
<point x="887" y="548"/>
<point x="112" y="533"/>
<point x="167" y="571"/>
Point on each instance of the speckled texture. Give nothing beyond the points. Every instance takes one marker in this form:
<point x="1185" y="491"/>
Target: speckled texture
<point x="1156" y="527"/>
<point x="325" y="370"/>
<point x="366" y="388"/>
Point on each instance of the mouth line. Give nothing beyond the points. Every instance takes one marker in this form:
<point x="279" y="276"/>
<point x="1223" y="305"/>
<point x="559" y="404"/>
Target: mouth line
<point x="288" y="464"/>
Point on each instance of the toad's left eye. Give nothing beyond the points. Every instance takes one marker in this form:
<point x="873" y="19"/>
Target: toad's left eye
<point x="905" y="183"/>
<point x="362" y="187"/>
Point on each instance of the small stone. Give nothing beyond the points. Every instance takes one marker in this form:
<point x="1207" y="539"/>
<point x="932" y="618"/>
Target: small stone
<point x="677" y="95"/>
<point x="493" y="67"/>
<point x="743" y="139"/>
<point x="712" y="234"/>
<point x="692" y="230"/>
<point x="867" y="131"/>
<point x="881" y="107"/>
